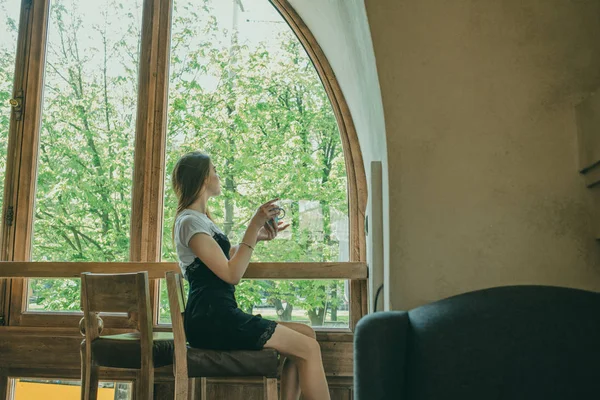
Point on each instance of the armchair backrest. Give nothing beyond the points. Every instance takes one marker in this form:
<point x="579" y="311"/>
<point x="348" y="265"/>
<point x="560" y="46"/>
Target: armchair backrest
<point x="516" y="342"/>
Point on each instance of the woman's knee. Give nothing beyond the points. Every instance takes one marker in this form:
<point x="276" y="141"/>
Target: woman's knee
<point x="301" y="328"/>
<point x="294" y="344"/>
<point x="305" y="349"/>
<point x="311" y="348"/>
<point x="307" y="331"/>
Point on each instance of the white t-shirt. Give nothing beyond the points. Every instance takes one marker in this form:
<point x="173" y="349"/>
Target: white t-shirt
<point x="187" y="224"/>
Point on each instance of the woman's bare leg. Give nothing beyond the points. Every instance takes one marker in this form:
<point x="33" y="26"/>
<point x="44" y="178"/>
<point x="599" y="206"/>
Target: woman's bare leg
<point x="306" y="353"/>
<point x="290" y="381"/>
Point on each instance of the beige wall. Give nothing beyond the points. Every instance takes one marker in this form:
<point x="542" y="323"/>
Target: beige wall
<point x="478" y="101"/>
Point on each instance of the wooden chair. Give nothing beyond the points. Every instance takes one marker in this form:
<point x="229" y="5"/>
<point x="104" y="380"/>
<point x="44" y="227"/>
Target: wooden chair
<point x="200" y="363"/>
<point x="142" y="350"/>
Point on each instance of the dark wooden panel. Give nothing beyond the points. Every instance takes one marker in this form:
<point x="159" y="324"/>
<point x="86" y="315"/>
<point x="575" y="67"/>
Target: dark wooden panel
<point x="341" y="393"/>
<point x="337" y="358"/>
<point x="46" y="350"/>
<point x="234" y="391"/>
<point x="164" y="390"/>
<point x="22" y="351"/>
<point x="255" y="392"/>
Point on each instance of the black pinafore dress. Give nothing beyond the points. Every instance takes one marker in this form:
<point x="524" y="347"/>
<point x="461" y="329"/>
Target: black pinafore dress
<point x="212" y="319"/>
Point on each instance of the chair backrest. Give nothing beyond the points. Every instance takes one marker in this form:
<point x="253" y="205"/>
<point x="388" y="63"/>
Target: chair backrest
<point x="177" y="307"/>
<point x="117" y="293"/>
<point x="515" y="342"/>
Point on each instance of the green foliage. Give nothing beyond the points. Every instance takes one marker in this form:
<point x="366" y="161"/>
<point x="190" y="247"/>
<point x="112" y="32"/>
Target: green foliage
<point x="260" y="111"/>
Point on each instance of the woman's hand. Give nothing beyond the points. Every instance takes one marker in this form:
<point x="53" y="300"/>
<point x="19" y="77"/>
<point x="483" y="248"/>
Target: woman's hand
<point x="269" y="232"/>
<point x="264" y="213"/>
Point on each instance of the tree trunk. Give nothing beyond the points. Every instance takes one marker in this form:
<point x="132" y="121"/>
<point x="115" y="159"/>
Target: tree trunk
<point x="317" y="316"/>
<point x="229" y="188"/>
<point x="295" y="213"/>
<point x="284" y="313"/>
<point x="334" y="308"/>
<point x="229" y="182"/>
<point x="326" y="210"/>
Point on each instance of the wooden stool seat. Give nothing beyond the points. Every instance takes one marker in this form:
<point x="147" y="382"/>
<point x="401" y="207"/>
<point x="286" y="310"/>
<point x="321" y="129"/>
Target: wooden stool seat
<point x="124" y="350"/>
<point x="213" y="363"/>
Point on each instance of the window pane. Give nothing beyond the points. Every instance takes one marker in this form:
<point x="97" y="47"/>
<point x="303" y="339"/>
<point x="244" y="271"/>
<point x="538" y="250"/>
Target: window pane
<point x="83" y="194"/>
<point x="319" y="303"/>
<point x="243" y="90"/>
<point x="35" y="389"/>
<point x="9" y="24"/>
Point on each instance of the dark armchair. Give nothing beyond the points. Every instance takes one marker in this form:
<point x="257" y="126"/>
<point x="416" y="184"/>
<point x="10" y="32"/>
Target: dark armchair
<point x="516" y="342"/>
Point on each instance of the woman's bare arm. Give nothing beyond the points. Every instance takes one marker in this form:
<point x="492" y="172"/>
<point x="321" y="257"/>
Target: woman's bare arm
<point x="232" y="270"/>
<point x="233" y="250"/>
<point x="209" y="251"/>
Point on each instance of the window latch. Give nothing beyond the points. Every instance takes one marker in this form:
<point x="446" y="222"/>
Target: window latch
<point x="17" y="105"/>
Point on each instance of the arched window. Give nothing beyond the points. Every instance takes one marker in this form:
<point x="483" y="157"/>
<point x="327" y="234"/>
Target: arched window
<point x="113" y="92"/>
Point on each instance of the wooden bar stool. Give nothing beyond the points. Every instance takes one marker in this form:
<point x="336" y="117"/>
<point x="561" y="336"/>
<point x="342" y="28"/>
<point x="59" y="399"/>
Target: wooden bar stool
<point x="142" y="349"/>
<point x="200" y="363"/>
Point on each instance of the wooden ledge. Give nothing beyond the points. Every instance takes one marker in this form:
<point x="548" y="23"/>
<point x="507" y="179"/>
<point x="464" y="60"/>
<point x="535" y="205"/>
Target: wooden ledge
<point x="35" y="269"/>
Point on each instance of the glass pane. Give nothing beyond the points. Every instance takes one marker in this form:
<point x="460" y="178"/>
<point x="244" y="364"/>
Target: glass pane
<point x="243" y="90"/>
<point x="83" y="194"/>
<point x="35" y="389"/>
<point x="9" y="24"/>
<point x="319" y="303"/>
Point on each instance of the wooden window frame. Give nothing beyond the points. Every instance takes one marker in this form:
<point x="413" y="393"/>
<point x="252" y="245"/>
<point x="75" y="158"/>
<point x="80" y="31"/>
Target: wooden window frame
<point x="149" y="160"/>
<point x="21" y="163"/>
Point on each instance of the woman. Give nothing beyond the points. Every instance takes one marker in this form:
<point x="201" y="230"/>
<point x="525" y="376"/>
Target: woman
<point x="213" y="267"/>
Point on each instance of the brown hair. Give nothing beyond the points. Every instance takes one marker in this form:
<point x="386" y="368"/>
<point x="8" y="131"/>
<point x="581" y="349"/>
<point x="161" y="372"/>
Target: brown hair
<point x="189" y="175"/>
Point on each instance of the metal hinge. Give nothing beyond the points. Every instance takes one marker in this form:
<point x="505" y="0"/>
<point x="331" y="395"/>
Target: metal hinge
<point x="10" y="214"/>
<point x="17" y="104"/>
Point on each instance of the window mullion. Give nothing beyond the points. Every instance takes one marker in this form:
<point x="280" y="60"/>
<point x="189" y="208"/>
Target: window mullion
<point x="149" y="163"/>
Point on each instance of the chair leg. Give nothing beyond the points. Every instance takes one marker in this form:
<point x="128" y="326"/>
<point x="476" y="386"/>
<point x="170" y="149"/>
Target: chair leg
<point x="84" y="378"/>
<point x="92" y="380"/>
<point x="191" y="387"/>
<point x="203" y="389"/>
<point x="270" y="388"/>
<point x="144" y="384"/>
<point x="89" y="376"/>
<point x="4" y="383"/>
<point x="183" y="387"/>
